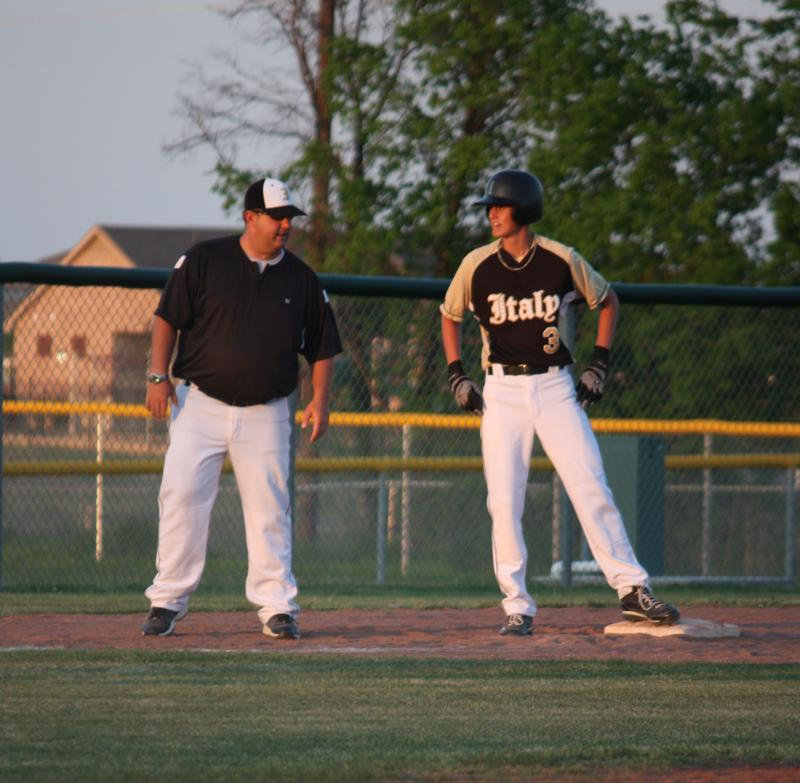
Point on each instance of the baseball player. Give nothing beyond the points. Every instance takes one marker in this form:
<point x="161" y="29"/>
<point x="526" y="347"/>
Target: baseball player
<point x="519" y="287"/>
<point x="242" y="308"/>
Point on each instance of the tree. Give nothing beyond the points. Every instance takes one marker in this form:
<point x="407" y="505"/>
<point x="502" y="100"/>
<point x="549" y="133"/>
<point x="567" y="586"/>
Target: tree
<point x="778" y="49"/>
<point x="251" y="105"/>
<point x="658" y="147"/>
<point x="367" y="97"/>
<point x="462" y="115"/>
<point x="661" y="149"/>
<point x="334" y="107"/>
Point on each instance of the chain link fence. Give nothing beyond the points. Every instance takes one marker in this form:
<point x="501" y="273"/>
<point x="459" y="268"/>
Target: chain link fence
<point x="698" y="428"/>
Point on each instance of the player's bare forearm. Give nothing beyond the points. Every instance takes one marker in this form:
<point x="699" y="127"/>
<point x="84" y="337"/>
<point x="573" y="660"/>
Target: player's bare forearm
<point x="607" y="320"/>
<point x="451" y="339"/>
<point x="318" y="410"/>
<point x="159" y="395"/>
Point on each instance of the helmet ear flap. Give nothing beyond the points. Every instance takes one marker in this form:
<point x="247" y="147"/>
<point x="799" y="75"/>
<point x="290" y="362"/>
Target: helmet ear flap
<point x="524" y="216"/>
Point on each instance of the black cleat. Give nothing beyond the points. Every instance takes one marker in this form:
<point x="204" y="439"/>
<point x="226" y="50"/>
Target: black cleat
<point x="281" y="626"/>
<point x="641" y="605"/>
<point x="161" y="622"/>
<point x="517" y="625"/>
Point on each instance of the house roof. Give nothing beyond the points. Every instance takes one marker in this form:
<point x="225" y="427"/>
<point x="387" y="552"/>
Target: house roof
<point x="14" y="294"/>
<point x="144" y="246"/>
<point x="149" y="246"/>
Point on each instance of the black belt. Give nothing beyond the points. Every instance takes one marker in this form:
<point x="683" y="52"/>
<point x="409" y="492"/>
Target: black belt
<point x="519" y="369"/>
<point x="234" y="403"/>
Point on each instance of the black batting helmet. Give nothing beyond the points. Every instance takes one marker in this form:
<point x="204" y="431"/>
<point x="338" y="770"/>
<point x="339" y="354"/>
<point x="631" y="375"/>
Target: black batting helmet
<point x="518" y="189"/>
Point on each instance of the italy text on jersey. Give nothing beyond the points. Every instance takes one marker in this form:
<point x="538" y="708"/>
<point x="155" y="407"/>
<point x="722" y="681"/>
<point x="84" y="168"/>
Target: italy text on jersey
<point x="509" y="308"/>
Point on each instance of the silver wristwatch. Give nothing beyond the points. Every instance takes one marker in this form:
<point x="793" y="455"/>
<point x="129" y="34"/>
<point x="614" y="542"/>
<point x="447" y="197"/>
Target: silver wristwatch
<point x="155" y="377"/>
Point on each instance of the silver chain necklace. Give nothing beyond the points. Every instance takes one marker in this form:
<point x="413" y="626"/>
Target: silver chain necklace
<point x="515" y="265"/>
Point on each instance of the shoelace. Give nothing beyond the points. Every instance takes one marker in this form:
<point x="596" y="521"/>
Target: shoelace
<point x="648" y="602"/>
<point x="515" y="619"/>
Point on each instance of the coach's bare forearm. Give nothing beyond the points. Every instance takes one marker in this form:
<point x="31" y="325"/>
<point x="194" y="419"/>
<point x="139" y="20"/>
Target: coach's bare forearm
<point x="321" y="375"/>
<point x="159" y="395"/>
<point x="318" y="410"/>
<point x="161" y="345"/>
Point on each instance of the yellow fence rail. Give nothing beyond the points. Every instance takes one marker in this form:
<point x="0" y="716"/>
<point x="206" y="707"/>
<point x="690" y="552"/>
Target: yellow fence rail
<point x="447" y="421"/>
<point x="385" y="464"/>
<point x="417" y="464"/>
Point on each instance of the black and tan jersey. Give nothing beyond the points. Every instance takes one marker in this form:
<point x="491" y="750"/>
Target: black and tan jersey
<point x="522" y="306"/>
<point x="241" y="330"/>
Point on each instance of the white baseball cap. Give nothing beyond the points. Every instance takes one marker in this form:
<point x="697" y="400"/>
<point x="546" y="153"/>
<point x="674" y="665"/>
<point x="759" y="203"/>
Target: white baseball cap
<point x="273" y="197"/>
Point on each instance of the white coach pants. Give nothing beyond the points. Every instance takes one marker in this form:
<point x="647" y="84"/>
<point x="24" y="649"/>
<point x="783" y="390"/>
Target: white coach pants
<point x="202" y="431"/>
<point x="517" y="407"/>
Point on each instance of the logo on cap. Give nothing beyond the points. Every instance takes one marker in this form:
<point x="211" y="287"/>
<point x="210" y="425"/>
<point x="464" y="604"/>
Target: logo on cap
<point x="271" y="195"/>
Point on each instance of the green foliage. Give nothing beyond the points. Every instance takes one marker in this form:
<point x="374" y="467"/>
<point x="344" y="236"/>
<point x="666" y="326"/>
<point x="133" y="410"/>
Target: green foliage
<point x="465" y="117"/>
<point x="668" y="153"/>
<point x="656" y="148"/>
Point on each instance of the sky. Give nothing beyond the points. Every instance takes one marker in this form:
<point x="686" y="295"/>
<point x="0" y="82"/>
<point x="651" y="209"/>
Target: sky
<point x="88" y="97"/>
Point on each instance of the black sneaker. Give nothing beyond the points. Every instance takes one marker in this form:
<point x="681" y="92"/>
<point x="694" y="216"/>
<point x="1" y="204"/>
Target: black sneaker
<point x="640" y="604"/>
<point x="281" y="626"/>
<point x="517" y="625"/>
<point x="161" y="622"/>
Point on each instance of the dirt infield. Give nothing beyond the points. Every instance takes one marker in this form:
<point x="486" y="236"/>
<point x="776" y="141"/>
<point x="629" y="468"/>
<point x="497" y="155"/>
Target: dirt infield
<point x="768" y="635"/>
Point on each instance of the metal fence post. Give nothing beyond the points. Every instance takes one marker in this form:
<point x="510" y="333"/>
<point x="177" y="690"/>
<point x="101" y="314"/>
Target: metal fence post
<point x="380" y="525"/>
<point x="570" y="326"/>
<point x="705" y="540"/>
<point x="405" y="506"/>
<point x="391" y="510"/>
<point x="563" y="518"/>
<point x="790" y="553"/>
<point x="98" y="507"/>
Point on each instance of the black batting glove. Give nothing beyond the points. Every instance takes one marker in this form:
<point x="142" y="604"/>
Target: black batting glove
<point x="465" y="390"/>
<point x="592" y="384"/>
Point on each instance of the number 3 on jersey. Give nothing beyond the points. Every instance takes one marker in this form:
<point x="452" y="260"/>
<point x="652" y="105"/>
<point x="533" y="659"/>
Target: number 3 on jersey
<point x="552" y="339"/>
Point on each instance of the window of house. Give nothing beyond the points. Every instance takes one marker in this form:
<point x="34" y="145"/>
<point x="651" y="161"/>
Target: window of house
<point x="78" y="345"/>
<point x="44" y="345"/>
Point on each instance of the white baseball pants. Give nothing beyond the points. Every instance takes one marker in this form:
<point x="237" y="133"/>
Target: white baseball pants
<point x="202" y="432"/>
<point x="517" y="407"/>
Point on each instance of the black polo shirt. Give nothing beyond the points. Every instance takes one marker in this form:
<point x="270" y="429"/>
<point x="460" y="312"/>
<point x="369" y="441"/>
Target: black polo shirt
<point x="241" y="330"/>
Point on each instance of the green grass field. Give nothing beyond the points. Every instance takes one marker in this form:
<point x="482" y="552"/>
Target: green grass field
<point x="134" y="716"/>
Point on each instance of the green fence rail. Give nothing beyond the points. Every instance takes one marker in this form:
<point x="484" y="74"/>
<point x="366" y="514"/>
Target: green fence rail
<point x="405" y="287"/>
